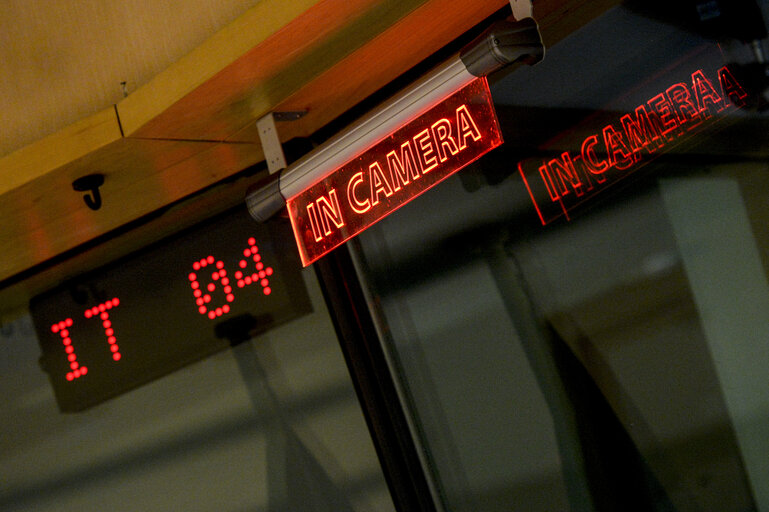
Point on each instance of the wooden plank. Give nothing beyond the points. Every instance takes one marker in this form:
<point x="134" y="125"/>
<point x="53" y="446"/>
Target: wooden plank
<point x="45" y="217"/>
<point x="248" y="87"/>
<point x="364" y="71"/>
<point x="15" y="296"/>
<point x="46" y="155"/>
<point x="188" y="74"/>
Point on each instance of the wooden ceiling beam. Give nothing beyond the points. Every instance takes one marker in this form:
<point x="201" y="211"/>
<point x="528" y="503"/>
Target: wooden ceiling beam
<point x="193" y="124"/>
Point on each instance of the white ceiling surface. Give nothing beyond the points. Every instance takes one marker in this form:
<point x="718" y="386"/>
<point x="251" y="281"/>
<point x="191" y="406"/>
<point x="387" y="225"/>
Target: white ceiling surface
<point x="61" y="61"/>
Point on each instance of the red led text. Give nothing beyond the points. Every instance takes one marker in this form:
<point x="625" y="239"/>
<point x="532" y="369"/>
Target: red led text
<point x="414" y="158"/>
<point x="64" y="328"/>
<point x="610" y="154"/>
<point x="217" y="282"/>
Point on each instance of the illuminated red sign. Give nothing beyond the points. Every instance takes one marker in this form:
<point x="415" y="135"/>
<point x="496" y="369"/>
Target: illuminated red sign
<point x="619" y="148"/>
<point x="417" y="156"/>
<point x="245" y="276"/>
<point x="167" y="306"/>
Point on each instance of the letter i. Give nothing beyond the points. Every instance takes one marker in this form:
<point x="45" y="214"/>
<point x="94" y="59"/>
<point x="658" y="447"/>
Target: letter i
<point x="314" y="222"/>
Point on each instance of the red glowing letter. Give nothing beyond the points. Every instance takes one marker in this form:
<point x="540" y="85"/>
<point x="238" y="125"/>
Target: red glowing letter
<point x="666" y="119"/>
<point x="424" y="144"/>
<point x="314" y="222"/>
<point x="640" y="132"/>
<point x="662" y="116"/>
<point x="681" y="99"/>
<point x="62" y="329"/>
<point x="731" y="88"/>
<point x="591" y="161"/>
<point x="378" y="183"/>
<point x="557" y="173"/>
<point x="404" y="170"/>
<point x="328" y="210"/>
<point x="442" y="134"/>
<point x="466" y="126"/>
<point x="102" y="312"/>
<point x="707" y="99"/>
<point x="617" y="149"/>
<point x="357" y="205"/>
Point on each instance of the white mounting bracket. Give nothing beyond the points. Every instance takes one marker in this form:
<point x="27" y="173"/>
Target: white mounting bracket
<point x="522" y="9"/>
<point x="273" y="150"/>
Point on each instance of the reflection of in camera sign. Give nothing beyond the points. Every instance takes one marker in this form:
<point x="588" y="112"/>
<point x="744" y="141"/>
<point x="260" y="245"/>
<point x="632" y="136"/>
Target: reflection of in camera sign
<point x="620" y="148"/>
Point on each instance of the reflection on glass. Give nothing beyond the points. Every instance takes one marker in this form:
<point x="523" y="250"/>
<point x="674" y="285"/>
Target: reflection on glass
<point x="611" y="361"/>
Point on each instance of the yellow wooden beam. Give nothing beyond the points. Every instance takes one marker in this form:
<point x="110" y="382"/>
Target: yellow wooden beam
<point x="193" y="125"/>
<point x="59" y="149"/>
<point x="247" y="69"/>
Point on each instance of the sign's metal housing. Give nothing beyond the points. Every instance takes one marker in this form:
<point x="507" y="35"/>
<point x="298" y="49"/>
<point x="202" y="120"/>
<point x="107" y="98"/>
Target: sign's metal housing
<point x="504" y="43"/>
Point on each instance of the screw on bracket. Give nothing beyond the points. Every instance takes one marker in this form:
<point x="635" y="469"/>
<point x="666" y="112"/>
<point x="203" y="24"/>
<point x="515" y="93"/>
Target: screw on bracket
<point x="289" y="115"/>
<point x="90" y="184"/>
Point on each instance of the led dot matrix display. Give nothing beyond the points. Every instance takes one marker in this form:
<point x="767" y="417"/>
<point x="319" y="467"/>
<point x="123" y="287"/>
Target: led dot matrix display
<point x="153" y="312"/>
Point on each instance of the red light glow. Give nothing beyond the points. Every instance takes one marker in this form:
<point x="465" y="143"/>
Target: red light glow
<point x="413" y="159"/>
<point x="220" y="284"/>
<point x="589" y="165"/>
<point x="106" y="323"/>
<point x="62" y="329"/>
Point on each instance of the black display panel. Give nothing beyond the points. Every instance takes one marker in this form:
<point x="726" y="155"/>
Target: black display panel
<point x="166" y="306"/>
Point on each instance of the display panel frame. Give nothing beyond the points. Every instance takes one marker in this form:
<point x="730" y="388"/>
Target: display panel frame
<point x="157" y="310"/>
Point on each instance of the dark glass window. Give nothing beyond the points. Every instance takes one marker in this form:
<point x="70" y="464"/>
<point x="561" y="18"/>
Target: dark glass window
<point x="579" y="320"/>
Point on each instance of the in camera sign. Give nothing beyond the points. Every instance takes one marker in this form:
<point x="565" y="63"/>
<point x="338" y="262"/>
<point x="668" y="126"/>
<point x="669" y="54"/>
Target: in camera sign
<point x="417" y="156"/>
<point x="590" y="160"/>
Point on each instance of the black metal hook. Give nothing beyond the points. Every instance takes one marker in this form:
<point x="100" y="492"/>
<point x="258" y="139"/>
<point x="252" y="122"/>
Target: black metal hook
<point x="91" y="184"/>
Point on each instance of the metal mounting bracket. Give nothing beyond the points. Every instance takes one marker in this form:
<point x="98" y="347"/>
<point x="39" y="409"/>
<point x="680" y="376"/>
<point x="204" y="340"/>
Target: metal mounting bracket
<point x="522" y="9"/>
<point x="273" y="150"/>
<point x="268" y="136"/>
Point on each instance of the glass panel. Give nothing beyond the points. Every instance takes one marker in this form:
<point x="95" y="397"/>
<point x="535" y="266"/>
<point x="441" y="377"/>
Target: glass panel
<point x="273" y="424"/>
<point x="578" y="320"/>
